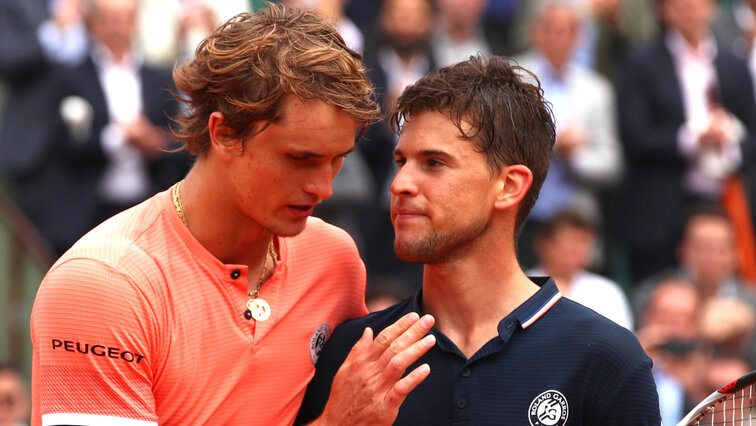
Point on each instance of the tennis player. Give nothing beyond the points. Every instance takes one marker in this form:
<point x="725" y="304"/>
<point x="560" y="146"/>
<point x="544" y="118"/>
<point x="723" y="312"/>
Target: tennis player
<point x="474" y="147"/>
<point x="210" y="302"/>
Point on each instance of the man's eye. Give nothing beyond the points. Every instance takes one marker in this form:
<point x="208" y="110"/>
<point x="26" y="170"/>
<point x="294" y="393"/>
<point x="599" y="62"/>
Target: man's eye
<point x="399" y="161"/>
<point x="435" y="163"/>
<point x="296" y="157"/>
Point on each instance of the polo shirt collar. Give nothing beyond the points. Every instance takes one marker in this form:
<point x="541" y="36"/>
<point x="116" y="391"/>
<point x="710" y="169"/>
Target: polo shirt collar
<point x="539" y="303"/>
<point x="526" y="314"/>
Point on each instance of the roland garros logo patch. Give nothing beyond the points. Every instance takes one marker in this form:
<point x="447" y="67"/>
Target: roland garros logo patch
<point x="549" y="409"/>
<point x="317" y="341"/>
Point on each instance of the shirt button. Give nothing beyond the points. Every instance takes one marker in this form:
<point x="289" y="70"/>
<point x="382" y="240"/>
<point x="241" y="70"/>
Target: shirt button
<point x="510" y="325"/>
<point x="462" y="402"/>
<point x="466" y="372"/>
<point x="235" y="274"/>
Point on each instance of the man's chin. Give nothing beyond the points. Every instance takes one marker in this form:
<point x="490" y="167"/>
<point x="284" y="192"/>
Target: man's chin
<point x="409" y="255"/>
<point x="290" y="230"/>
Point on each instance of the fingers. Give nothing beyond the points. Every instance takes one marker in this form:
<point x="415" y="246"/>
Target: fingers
<point x="403" y="387"/>
<point x="401" y="334"/>
<point x="389" y="334"/>
<point x="415" y="332"/>
<point x="405" y="351"/>
<point x="363" y="343"/>
<point x="395" y="348"/>
<point x="398" y="364"/>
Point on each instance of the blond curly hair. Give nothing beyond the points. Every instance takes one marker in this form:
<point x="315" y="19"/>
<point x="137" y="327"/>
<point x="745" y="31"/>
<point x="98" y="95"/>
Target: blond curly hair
<point x="248" y="65"/>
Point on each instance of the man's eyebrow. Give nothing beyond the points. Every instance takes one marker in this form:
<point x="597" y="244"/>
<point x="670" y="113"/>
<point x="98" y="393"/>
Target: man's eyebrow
<point x="425" y="153"/>
<point x="311" y="154"/>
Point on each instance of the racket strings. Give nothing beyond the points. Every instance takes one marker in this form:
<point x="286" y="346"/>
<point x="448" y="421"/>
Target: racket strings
<point x="738" y="408"/>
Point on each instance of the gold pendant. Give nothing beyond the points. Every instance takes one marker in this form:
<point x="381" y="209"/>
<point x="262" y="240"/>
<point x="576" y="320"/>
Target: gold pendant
<point x="260" y="309"/>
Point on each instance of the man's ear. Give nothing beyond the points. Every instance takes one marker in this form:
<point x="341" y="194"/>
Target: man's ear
<point x="513" y="183"/>
<point x="220" y="137"/>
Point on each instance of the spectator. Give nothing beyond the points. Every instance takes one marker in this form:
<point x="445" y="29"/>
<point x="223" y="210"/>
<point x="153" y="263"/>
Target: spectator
<point x="680" y="101"/>
<point x="565" y="246"/>
<point x="106" y="151"/>
<point x="608" y="29"/>
<point x="170" y="30"/>
<point x="402" y="53"/>
<point x="728" y="326"/>
<point x="14" y="397"/>
<point x="669" y="331"/>
<point x="459" y="31"/>
<point x="34" y="42"/>
<point x="708" y="263"/>
<point x="706" y="259"/>
<point x="587" y="152"/>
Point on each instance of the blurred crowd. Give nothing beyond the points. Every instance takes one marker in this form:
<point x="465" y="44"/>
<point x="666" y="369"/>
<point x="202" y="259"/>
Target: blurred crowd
<point x="646" y="215"/>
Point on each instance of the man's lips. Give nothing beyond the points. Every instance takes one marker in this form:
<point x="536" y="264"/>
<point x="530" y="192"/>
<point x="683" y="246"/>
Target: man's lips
<point x="301" y="210"/>
<point x="406" y="213"/>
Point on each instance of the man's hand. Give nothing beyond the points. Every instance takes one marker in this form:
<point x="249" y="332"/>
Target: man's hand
<point x="721" y="130"/>
<point x="369" y="388"/>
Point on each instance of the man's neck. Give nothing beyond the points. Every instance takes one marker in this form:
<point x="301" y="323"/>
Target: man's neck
<point x="694" y="40"/>
<point x="469" y="296"/>
<point x="218" y="225"/>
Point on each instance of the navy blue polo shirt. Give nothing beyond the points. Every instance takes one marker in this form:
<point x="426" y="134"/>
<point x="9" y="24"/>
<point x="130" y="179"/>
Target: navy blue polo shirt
<point x="554" y="363"/>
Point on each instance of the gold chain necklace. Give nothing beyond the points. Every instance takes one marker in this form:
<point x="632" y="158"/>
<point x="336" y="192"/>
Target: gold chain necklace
<point x="257" y="308"/>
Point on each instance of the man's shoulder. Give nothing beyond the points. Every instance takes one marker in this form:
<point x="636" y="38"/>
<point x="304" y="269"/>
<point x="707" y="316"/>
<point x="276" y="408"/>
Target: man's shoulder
<point x="322" y="235"/>
<point x="318" y="225"/>
<point x="120" y="241"/>
<point x="580" y="316"/>
<point x="588" y="330"/>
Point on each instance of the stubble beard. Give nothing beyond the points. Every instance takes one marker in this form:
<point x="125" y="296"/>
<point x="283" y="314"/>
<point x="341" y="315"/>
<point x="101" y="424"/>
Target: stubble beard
<point x="436" y="247"/>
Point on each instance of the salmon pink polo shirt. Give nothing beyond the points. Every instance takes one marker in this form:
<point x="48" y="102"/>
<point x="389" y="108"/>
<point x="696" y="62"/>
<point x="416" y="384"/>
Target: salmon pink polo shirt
<point x="138" y="324"/>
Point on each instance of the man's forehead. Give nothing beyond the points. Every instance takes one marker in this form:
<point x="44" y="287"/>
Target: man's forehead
<point x="429" y="145"/>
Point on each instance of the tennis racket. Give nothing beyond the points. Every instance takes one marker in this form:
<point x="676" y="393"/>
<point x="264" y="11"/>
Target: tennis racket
<point x="734" y="404"/>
